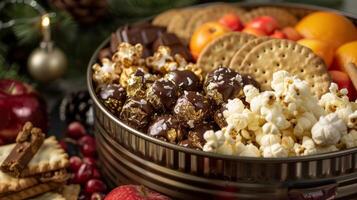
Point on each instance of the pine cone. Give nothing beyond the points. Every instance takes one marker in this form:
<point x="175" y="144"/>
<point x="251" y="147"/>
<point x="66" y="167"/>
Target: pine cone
<point x="84" y="11"/>
<point x="77" y="106"/>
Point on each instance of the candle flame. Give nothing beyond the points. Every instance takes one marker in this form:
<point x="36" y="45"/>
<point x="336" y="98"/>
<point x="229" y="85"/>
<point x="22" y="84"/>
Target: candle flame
<point x="45" y="22"/>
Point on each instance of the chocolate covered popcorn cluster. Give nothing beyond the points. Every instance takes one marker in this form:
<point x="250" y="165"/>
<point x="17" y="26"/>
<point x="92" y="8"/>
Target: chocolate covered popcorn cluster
<point x="164" y="95"/>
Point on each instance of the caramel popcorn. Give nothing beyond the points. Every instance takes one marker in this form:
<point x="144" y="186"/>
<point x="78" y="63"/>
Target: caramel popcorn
<point x="162" y="61"/>
<point x="127" y="72"/>
<point x="106" y="73"/>
<point x="128" y="55"/>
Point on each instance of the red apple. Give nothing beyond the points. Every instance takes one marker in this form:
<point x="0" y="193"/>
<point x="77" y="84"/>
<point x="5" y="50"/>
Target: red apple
<point x="278" y="34"/>
<point x="254" y="31"/>
<point x="343" y="81"/>
<point x="291" y="34"/>
<point x="266" y="24"/>
<point x="19" y="103"/>
<point x="231" y="21"/>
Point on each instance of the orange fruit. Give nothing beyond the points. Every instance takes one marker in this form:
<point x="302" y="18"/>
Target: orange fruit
<point x="345" y="54"/>
<point x="205" y="34"/>
<point x="320" y="48"/>
<point x="327" y="26"/>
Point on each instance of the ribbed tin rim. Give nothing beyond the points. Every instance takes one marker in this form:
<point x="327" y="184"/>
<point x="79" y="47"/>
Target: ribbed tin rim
<point x="208" y="154"/>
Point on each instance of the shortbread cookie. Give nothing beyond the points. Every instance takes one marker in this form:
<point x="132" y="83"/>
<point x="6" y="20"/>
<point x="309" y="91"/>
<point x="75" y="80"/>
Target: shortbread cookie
<point x="50" y="157"/>
<point x="220" y="51"/>
<point x="32" y="191"/>
<point x="71" y="192"/>
<point x="283" y="17"/>
<point x="28" y="142"/>
<point x="239" y="56"/>
<point x="274" y="55"/>
<point x="164" y="18"/>
<point x="179" y="22"/>
<point x="50" y="196"/>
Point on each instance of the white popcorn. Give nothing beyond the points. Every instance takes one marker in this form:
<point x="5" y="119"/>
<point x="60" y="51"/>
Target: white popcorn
<point x="288" y="142"/>
<point x="307" y="147"/>
<point x="238" y="121"/>
<point x="250" y="92"/>
<point x="261" y="100"/>
<point x="269" y="140"/>
<point x="275" y="151"/>
<point x="326" y="149"/>
<point x="233" y="106"/>
<point x="270" y="128"/>
<point x="304" y="124"/>
<point x="279" y="78"/>
<point x="328" y="130"/>
<point x="250" y="150"/>
<point x="344" y="113"/>
<point x="254" y="120"/>
<point x="222" y="142"/>
<point x="352" y="120"/>
<point x="213" y="140"/>
<point x="335" y="99"/>
<point x="274" y="114"/>
<point x="350" y="139"/>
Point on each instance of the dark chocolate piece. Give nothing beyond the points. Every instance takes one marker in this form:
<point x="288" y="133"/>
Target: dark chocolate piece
<point x="143" y="33"/>
<point x="136" y="113"/>
<point x="167" y="128"/>
<point x="222" y="84"/>
<point x="138" y="83"/>
<point x="113" y="97"/>
<point x="192" y="108"/>
<point x="175" y="44"/>
<point x="184" y="79"/>
<point x="162" y="95"/>
<point x="28" y="142"/>
<point x="195" y="136"/>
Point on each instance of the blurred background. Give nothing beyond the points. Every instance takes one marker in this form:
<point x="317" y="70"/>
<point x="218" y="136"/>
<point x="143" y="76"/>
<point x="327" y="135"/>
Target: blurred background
<point x="76" y="28"/>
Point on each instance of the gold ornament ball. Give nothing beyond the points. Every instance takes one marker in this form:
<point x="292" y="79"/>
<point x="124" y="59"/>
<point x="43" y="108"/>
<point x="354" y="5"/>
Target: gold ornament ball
<point x="47" y="64"/>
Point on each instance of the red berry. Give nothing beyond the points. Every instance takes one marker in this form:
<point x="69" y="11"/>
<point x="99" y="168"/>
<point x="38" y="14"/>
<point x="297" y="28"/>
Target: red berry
<point x="128" y="192"/>
<point x="96" y="173"/>
<point x="88" y="150"/>
<point x="89" y="160"/>
<point x="76" y="130"/>
<point x="231" y="21"/>
<point x="266" y="24"/>
<point x="84" y="173"/>
<point x="75" y="163"/>
<point x="95" y="185"/>
<point x="87" y="139"/>
<point x="97" y="196"/>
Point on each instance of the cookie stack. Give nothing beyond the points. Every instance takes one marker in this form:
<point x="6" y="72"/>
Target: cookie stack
<point x="34" y="167"/>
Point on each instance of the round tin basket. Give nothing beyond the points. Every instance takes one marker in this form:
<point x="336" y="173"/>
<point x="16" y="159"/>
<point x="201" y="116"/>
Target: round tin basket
<point x="129" y="156"/>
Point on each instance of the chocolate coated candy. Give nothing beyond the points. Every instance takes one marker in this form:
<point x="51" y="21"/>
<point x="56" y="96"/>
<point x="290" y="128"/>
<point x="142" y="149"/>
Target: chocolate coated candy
<point x="222" y="84"/>
<point x="184" y="79"/>
<point x="136" y="113"/>
<point x="167" y="128"/>
<point x="219" y="118"/>
<point x="175" y="44"/>
<point x="162" y="94"/>
<point x="113" y="97"/>
<point x="248" y="80"/>
<point x="138" y="83"/>
<point x="192" y="108"/>
<point x="195" y="136"/>
<point x="143" y="33"/>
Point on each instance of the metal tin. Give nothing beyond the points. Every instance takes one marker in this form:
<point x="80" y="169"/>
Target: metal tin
<point x="130" y="156"/>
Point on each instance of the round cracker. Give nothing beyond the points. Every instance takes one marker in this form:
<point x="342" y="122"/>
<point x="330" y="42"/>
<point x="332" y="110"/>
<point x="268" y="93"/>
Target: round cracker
<point x="220" y="51"/>
<point x="239" y="56"/>
<point x="283" y="17"/>
<point x="274" y="55"/>
<point x="179" y="22"/>
<point x="164" y="18"/>
<point x="210" y="13"/>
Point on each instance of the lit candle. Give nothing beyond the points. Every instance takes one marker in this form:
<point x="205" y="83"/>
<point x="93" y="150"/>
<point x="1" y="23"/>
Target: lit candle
<point x="45" y="24"/>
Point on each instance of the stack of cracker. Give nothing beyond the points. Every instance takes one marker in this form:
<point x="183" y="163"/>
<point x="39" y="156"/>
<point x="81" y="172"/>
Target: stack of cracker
<point x="34" y="167"/>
